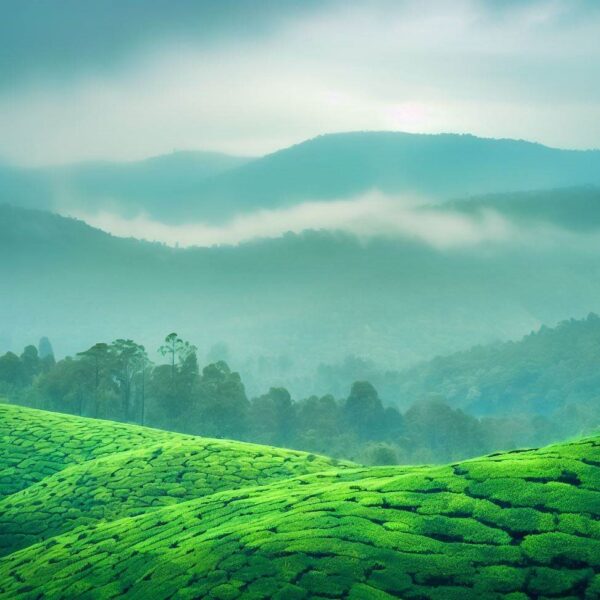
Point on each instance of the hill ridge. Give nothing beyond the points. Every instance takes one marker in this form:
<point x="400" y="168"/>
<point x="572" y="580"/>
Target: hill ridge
<point x="327" y="167"/>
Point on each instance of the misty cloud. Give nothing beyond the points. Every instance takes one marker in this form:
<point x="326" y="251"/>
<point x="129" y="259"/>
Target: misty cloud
<point x="368" y="216"/>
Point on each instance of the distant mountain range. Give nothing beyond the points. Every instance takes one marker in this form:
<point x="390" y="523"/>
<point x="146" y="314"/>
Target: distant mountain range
<point x="296" y="301"/>
<point x="155" y="185"/>
<point x="209" y="187"/>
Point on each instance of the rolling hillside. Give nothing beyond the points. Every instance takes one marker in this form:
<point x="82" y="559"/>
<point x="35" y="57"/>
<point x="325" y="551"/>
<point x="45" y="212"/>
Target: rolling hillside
<point x="59" y="471"/>
<point x="545" y="372"/>
<point x="573" y="209"/>
<point x="513" y="525"/>
<point x="183" y="187"/>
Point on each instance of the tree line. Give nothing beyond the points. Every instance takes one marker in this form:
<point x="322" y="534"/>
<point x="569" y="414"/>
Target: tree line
<point x="118" y="381"/>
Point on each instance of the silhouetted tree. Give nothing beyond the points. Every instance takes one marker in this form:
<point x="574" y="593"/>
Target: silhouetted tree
<point x="98" y="357"/>
<point x="129" y="359"/>
<point x="272" y="417"/>
<point x="176" y="350"/>
<point x="11" y="370"/>
<point x="222" y="405"/>
<point x="363" y="411"/>
<point x="31" y="365"/>
<point x="46" y="354"/>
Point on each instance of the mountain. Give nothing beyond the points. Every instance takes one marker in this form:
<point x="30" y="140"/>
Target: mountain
<point x="152" y="185"/>
<point x="299" y="300"/>
<point x="436" y="167"/>
<point x="213" y="188"/>
<point x="519" y="524"/>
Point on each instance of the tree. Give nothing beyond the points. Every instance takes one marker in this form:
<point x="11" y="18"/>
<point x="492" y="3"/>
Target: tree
<point x="130" y="360"/>
<point x="46" y="354"/>
<point x="145" y="365"/>
<point x="177" y="350"/>
<point x="222" y="404"/>
<point x="393" y="423"/>
<point x="449" y="434"/>
<point x="272" y="417"/>
<point x="11" y="370"/>
<point x="364" y="412"/>
<point x="31" y="365"/>
<point x="174" y="385"/>
<point x="99" y="357"/>
<point x="380" y="453"/>
<point x="65" y="387"/>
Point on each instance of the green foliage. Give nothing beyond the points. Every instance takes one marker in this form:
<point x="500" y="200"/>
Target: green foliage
<point x="118" y="381"/>
<point x="243" y="521"/>
<point x="166" y="468"/>
<point x="35" y="444"/>
<point x="544" y="373"/>
<point x="529" y="392"/>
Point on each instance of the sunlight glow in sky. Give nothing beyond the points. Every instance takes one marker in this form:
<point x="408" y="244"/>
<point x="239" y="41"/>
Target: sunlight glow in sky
<point x="82" y="81"/>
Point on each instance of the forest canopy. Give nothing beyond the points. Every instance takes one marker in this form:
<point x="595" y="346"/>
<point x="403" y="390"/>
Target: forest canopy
<point x="493" y="397"/>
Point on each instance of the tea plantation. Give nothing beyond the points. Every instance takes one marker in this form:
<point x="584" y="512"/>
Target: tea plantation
<point x="170" y="468"/>
<point x="95" y="509"/>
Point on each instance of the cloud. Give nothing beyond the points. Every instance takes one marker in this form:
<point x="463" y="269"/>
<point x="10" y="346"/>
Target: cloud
<point x="65" y="38"/>
<point x="368" y="216"/>
<point x="498" y="69"/>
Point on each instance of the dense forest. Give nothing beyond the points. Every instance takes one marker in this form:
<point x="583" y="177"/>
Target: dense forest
<point x="489" y="398"/>
<point x="552" y="372"/>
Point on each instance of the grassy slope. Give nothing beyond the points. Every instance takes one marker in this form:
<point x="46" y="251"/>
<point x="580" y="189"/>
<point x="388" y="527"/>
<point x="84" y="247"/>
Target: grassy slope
<point x="163" y="468"/>
<point x="35" y="444"/>
<point x="514" y="525"/>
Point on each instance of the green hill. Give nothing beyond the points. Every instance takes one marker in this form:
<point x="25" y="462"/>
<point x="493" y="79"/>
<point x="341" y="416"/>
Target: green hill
<point x="59" y="471"/>
<point x="574" y="209"/>
<point x="438" y="167"/>
<point x="36" y="444"/>
<point x="513" y="525"/>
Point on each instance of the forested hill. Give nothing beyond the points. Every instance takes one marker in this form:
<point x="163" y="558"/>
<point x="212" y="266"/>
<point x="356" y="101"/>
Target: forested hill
<point x="208" y="187"/>
<point x="574" y="209"/>
<point x="299" y="300"/>
<point x="432" y="166"/>
<point x="547" y="371"/>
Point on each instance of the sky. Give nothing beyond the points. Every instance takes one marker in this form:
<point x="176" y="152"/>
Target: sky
<point x="122" y="80"/>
